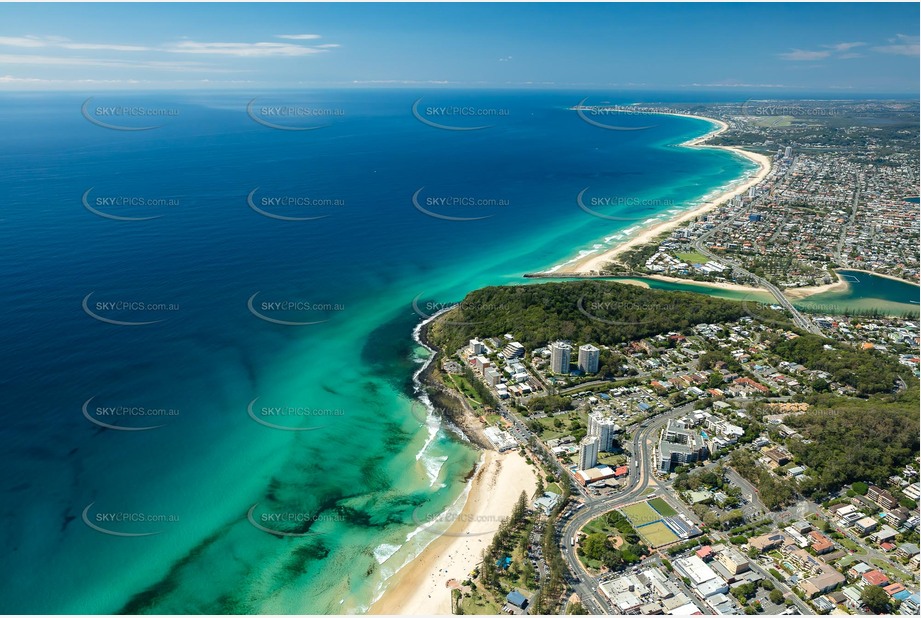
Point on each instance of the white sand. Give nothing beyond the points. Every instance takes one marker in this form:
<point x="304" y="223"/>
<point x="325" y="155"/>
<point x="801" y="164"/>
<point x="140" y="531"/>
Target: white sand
<point x="595" y="262"/>
<point x="421" y="587"/>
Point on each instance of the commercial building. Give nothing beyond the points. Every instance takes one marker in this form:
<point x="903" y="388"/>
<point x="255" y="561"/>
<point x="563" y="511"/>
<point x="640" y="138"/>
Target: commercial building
<point x="679" y="446"/>
<point x="560" y="352"/>
<point x="605" y="428"/>
<point x="588" y="358"/>
<point x="733" y="561"/>
<point x="502" y="440"/>
<point x="882" y="497"/>
<point x="588" y="452"/>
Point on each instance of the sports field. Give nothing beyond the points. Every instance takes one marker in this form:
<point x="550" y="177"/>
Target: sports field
<point x="640" y="514"/>
<point x="662" y="507"/>
<point x="657" y="534"/>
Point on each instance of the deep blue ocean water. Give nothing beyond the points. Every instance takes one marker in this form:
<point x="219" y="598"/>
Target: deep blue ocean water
<point x="348" y="459"/>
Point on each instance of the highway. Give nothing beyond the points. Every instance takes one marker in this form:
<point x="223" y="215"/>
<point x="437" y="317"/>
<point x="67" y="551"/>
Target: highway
<point x="798" y="318"/>
<point x="638" y="481"/>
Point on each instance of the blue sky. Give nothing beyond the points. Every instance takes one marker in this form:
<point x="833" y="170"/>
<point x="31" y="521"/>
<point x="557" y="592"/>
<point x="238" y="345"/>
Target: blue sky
<point x="834" y="48"/>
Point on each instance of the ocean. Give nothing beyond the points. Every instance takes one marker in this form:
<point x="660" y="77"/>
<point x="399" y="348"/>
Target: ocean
<point x="207" y="350"/>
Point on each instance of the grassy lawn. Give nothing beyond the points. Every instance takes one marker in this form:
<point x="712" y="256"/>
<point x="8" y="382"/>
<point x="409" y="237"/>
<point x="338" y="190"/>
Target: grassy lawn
<point x="640" y="514"/>
<point x="549" y="431"/>
<point x="891" y="571"/>
<point x="493" y="419"/>
<point x="612" y="459"/>
<point x="555" y="488"/>
<point x="850" y="545"/>
<point x="662" y="507"/>
<point x="692" y="257"/>
<point x="461" y="384"/>
<point x="600" y="524"/>
<point x="480" y="603"/>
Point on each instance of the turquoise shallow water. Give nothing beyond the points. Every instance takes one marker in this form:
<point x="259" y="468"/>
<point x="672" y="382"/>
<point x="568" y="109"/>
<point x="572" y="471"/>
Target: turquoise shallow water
<point x="867" y="292"/>
<point x="346" y="474"/>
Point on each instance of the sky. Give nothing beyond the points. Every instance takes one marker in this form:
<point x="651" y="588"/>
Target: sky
<point x="856" y="48"/>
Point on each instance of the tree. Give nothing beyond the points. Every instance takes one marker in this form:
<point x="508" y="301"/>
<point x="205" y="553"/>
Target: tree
<point x="577" y="609"/>
<point x="860" y="488"/>
<point x="594" y="545"/>
<point x="776" y="596"/>
<point x="876" y="599"/>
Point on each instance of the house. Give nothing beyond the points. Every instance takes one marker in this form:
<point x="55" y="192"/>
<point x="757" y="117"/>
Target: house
<point x="910" y="605"/>
<point x="865" y="526"/>
<point x="897" y="516"/>
<point x="882" y="497"/>
<point x="858" y="569"/>
<point x="767" y="542"/>
<point x="852" y="597"/>
<point x="827" y="580"/>
<point x="842" y="510"/>
<point x="778" y="456"/>
<point x="821" y="543"/>
<point x="907" y="550"/>
<point x="885" y="534"/>
<point x="705" y="552"/>
<point x="823" y="605"/>
<point x="874" y="578"/>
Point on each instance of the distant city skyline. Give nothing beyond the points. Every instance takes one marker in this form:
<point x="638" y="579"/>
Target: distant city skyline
<point x="833" y="48"/>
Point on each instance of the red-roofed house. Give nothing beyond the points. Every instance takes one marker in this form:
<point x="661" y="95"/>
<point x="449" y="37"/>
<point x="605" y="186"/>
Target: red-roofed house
<point x="822" y="544"/>
<point x="875" y="578"/>
<point x="705" y="552"/>
<point x="620" y="471"/>
<point x="894" y="589"/>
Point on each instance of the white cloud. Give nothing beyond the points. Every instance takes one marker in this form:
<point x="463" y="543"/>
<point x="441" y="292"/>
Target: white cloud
<point x="64" y="61"/>
<point x="802" y="54"/>
<point x="246" y="50"/>
<point x="843" y="47"/>
<point x="253" y="50"/>
<point x="298" y="37"/>
<point x="902" y="45"/>
<point x="103" y="46"/>
<point x="22" y="41"/>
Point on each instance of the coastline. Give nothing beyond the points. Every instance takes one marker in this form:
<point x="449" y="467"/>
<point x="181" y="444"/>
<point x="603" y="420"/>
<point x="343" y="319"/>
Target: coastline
<point x="841" y="285"/>
<point x="734" y="287"/>
<point x="423" y="585"/>
<point x="596" y="262"/>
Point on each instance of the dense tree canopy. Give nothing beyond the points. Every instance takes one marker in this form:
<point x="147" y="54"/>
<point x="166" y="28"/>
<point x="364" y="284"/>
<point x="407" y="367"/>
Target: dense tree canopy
<point x="866" y="370"/>
<point x="601" y="312"/>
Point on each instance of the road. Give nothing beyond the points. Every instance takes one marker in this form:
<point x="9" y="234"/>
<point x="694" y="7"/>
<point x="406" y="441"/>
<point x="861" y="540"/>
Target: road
<point x="798" y="318"/>
<point x="839" y="249"/>
<point x="638" y="481"/>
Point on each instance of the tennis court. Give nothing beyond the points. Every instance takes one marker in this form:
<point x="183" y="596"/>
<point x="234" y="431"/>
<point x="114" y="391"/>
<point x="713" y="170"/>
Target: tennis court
<point x="657" y="534"/>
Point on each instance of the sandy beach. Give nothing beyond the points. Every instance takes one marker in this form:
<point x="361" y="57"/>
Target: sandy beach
<point x="421" y="587"/>
<point x="595" y="262"/>
<point x="799" y="293"/>
<point x="736" y="287"/>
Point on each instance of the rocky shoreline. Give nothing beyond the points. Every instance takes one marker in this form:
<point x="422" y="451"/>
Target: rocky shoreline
<point x="446" y="401"/>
